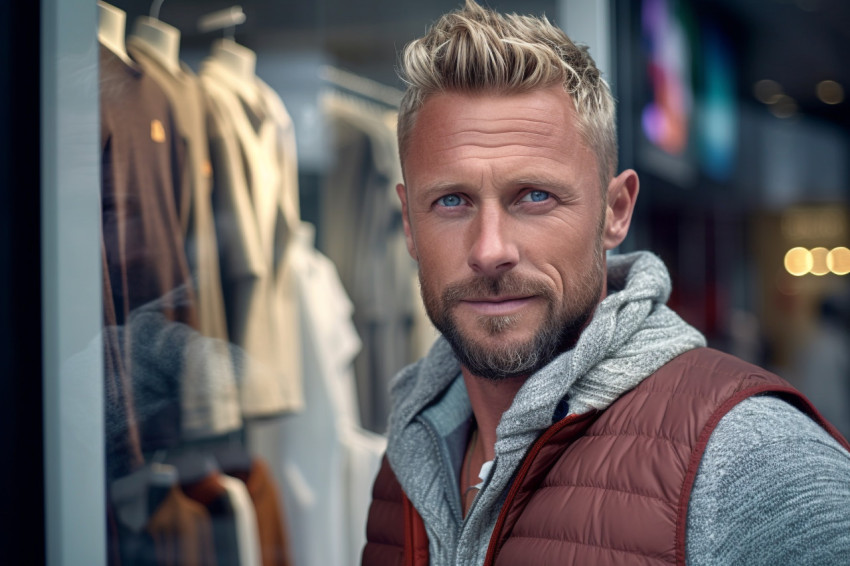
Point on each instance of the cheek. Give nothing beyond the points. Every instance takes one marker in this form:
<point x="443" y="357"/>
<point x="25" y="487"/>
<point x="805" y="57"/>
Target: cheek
<point x="437" y="248"/>
<point x="564" y="262"/>
<point x="430" y="260"/>
<point x="433" y="274"/>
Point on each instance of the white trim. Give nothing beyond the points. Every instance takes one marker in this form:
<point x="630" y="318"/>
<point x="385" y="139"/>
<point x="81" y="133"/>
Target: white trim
<point x="75" y="519"/>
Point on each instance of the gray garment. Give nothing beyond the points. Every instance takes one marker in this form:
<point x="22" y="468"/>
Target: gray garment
<point x="772" y="488"/>
<point x="631" y="335"/>
<point x="362" y="233"/>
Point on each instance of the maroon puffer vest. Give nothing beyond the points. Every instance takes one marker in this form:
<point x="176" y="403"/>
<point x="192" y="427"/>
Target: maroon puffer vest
<point x="607" y="487"/>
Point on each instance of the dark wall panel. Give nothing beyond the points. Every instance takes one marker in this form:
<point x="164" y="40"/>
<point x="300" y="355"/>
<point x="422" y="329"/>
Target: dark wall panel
<point x="21" y="446"/>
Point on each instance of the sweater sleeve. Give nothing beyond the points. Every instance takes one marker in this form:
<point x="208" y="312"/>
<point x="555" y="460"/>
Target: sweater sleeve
<point x="772" y="488"/>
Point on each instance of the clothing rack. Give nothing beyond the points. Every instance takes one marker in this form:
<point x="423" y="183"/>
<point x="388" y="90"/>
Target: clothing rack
<point x="361" y="86"/>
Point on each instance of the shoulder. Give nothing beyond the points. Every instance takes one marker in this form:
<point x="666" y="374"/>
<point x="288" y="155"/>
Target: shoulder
<point x="766" y="418"/>
<point x="772" y="486"/>
<point x="719" y="380"/>
<point x="769" y="434"/>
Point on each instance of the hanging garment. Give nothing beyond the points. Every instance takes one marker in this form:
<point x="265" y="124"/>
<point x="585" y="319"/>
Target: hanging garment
<point x="213" y="495"/>
<point x="363" y="235"/>
<point x="143" y="243"/>
<point x="363" y="451"/>
<point x="193" y="194"/>
<point x="208" y="394"/>
<point x="175" y="532"/>
<point x="182" y="532"/>
<point x="121" y="433"/>
<point x="255" y="197"/>
<point x="323" y="458"/>
<point x="274" y="537"/>
<point x="247" y="534"/>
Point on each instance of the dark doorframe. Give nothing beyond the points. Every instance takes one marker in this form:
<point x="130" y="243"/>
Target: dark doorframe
<point x="22" y="521"/>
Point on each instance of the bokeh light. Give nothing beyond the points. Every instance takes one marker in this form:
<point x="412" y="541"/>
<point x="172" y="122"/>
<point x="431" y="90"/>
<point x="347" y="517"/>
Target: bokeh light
<point x="784" y="107"/>
<point x="817" y="261"/>
<point x="798" y="261"/>
<point x="819" y="266"/>
<point x="767" y="91"/>
<point x="830" y="92"/>
<point x="838" y="260"/>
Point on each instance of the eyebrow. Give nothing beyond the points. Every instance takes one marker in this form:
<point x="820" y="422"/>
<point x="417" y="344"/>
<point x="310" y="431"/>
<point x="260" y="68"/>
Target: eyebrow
<point x="431" y="191"/>
<point x="550" y="182"/>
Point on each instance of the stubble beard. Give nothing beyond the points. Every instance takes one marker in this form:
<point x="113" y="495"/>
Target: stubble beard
<point x="562" y="324"/>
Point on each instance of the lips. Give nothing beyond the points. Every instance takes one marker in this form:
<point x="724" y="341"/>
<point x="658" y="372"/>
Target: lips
<point x="496" y="306"/>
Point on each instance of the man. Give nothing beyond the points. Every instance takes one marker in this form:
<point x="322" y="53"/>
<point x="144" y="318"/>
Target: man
<point x="567" y="416"/>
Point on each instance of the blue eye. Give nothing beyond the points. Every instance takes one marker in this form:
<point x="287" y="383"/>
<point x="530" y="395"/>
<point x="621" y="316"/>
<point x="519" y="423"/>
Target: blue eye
<point x="536" y="196"/>
<point x="449" y="201"/>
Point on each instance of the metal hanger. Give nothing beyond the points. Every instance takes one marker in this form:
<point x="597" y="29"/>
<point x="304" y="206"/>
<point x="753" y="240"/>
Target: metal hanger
<point x="226" y="20"/>
<point x="155" y="7"/>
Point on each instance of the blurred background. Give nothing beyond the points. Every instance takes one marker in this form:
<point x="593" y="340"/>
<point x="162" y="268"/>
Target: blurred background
<point x="733" y="112"/>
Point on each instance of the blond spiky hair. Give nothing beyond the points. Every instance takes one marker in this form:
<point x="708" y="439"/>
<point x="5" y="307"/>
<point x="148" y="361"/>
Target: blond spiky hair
<point x="475" y="49"/>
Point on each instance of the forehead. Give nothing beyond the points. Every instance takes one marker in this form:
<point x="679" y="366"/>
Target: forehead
<point x="534" y="129"/>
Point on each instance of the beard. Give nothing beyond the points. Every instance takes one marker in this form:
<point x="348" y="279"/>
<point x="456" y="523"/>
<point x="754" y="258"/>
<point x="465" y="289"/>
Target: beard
<point x="563" y="322"/>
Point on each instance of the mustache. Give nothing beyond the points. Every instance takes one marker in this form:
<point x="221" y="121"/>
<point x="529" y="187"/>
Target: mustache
<point x="482" y="286"/>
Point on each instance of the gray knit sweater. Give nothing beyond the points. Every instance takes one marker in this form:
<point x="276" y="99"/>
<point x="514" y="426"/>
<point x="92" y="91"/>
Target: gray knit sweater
<point x="771" y="484"/>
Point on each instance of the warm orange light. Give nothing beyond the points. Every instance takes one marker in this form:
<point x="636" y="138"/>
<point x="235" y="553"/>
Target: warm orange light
<point x="838" y="260"/>
<point x="798" y="261"/>
<point x="819" y="266"/>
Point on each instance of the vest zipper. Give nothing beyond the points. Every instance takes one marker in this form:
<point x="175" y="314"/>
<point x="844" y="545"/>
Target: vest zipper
<point x="490" y="557"/>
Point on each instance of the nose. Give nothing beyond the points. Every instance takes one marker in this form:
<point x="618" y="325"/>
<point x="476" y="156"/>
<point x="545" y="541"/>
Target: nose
<point x="493" y="250"/>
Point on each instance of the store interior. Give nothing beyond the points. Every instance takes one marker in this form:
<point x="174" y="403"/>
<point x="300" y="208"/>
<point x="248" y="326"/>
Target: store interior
<point x="733" y="113"/>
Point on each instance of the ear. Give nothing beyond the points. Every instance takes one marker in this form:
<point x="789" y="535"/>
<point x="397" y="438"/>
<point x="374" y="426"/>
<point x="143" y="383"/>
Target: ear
<point x="405" y="218"/>
<point x="622" y="194"/>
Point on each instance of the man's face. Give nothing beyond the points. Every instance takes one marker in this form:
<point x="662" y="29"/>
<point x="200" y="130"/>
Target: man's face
<point x="504" y="213"/>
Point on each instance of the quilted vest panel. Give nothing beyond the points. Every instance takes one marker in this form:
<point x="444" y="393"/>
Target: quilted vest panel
<point x="385" y="533"/>
<point x="619" y="493"/>
<point x="607" y="487"/>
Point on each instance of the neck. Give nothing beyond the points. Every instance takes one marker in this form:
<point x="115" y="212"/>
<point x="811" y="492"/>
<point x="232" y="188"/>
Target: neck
<point x="111" y="28"/>
<point x="489" y="399"/>
<point x="238" y="60"/>
<point x="162" y="41"/>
